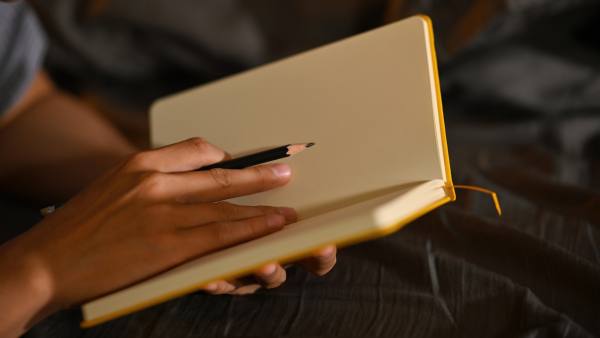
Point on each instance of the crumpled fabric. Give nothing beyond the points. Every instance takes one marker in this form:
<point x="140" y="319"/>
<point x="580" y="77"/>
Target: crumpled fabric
<point x="141" y="50"/>
<point x="132" y="52"/>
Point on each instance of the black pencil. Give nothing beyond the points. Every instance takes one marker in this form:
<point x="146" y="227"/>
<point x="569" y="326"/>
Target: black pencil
<point x="260" y="157"/>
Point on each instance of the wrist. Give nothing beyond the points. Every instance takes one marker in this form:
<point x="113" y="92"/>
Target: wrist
<point x="26" y="290"/>
<point x="34" y="279"/>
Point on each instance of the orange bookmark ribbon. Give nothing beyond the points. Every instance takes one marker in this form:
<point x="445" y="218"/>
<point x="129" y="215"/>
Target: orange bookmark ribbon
<point x="485" y="191"/>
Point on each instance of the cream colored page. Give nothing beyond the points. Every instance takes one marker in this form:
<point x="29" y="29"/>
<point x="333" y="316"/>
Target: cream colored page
<point x="367" y="102"/>
<point x="303" y="236"/>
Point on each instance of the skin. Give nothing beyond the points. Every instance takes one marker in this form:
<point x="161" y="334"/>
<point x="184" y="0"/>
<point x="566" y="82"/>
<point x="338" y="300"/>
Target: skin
<point x="149" y="209"/>
<point x="138" y="207"/>
<point x="52" y="145"/>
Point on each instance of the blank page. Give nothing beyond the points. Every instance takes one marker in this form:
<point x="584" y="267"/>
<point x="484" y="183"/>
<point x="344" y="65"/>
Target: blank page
<point x="369" y="103"/>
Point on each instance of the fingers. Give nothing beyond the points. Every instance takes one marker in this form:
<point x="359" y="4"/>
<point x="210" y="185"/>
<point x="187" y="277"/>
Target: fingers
<point x="209" y="186"/>
<point x="180" y="157"/>
<point x="235" y="287"/>
<point x="220" y="184"/>
<point x="246" y="289"/>
<point x="201" y="240"/>
<point x="219" y="287"/>
<point x="191" y="215"/>
<point x="271" y="275"/>
<point x="274" y="275"/>
<point x="322" y="262"/>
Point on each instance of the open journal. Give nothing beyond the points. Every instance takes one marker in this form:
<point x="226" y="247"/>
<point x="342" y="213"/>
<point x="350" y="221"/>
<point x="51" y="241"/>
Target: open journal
<point x="371" y="103"/>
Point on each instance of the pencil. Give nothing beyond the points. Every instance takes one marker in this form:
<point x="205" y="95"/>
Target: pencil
<point x="260" y="157"/>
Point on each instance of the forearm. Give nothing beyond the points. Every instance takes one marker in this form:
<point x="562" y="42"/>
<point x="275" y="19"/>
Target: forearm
<point x="25" y="293"/>
<point x="55" y="146"/>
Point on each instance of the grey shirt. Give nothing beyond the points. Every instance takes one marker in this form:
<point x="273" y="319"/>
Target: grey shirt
<point x="22" y="46"/>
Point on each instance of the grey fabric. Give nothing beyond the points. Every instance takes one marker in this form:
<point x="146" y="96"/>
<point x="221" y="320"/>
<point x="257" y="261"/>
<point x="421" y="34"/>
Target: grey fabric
<point x="541" y="56"/>
<point x="140" y="49"/>
<point x="22" y="46"/>
<point x="132" y="52"/>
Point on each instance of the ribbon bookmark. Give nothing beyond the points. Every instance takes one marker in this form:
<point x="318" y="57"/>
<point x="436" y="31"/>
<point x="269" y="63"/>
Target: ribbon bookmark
<point x="485" y="191"/>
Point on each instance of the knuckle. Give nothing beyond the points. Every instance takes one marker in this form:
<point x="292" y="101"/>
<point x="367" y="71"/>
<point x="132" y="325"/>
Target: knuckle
<point x="138" y="160"/>
<point x="152" y="184"/>
<point x="221" y="177"/>
<point x="199" y="143"/>
<point x="210" y="153"/>
<point x="206" y="148"/>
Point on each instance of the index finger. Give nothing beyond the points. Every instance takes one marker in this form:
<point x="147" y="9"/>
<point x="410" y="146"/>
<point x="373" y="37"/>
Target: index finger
<point x="221" y="184"/>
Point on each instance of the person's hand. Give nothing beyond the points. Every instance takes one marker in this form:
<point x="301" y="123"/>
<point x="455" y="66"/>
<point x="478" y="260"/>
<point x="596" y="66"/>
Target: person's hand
<point x="145" y="216"/>
<point x="273" y="275"/>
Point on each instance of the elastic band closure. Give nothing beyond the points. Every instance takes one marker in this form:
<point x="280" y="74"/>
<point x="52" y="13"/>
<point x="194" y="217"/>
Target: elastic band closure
<point x="485" y="191"/>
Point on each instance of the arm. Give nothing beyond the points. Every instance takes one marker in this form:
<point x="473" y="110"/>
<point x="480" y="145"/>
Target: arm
<point x="24" y="290"/>
<point x="52" y="145"/>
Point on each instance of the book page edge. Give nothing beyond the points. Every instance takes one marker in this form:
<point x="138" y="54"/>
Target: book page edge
<point x="439" y="105"/>
<point x="371" y="234"/>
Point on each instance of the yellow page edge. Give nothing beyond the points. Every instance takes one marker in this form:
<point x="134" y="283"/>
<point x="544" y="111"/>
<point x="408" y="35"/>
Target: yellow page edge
<point x="370" y="234"/>
<point x="438" y="91"/>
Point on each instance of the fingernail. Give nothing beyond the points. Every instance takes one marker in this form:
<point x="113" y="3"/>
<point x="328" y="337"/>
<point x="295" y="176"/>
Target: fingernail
<point x="268" y="270"/>
<point x="289" y="213"/>
<point x="275" y="221"/>
<point x="282" y="170"/>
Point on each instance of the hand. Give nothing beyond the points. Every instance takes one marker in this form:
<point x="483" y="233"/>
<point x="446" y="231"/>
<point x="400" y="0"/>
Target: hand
<point x="273" y="275"/>
<point x="143" y="217"/>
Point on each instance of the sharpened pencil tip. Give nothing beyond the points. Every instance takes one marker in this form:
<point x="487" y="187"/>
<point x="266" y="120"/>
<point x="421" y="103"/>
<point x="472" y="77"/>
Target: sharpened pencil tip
<point x="299" y="147"/>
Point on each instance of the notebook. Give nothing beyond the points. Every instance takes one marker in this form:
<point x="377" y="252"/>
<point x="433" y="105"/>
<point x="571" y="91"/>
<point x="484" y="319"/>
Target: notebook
<point x="372" y="105"/>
